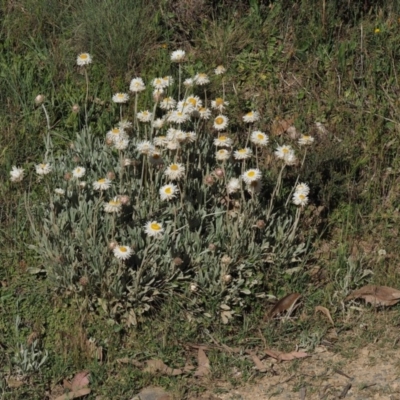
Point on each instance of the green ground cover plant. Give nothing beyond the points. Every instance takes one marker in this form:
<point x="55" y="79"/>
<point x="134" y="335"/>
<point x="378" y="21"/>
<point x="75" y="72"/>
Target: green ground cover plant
<point x="138" y="221"/>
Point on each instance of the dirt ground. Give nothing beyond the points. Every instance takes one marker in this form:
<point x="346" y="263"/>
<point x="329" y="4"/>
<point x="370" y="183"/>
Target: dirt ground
<point x="371" y="374"/>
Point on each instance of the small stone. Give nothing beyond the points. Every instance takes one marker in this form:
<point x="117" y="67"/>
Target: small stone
<point x="152" y="393"/>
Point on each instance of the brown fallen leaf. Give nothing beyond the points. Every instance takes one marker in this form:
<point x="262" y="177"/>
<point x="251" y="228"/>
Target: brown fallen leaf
<point x="127" y="360"/>
<point x="259" y="365"/>
<point x="203" y="368"/>
<point x="280" y="356"/>
<point x="79" y="381"/>
<point x="376" y="295"/>
<point x="325" y="311"/>
<point x="281" y="126"/>
<point x="153" y="366"/>
<point x="284" y="304"/>
<point x="74" y="395"/>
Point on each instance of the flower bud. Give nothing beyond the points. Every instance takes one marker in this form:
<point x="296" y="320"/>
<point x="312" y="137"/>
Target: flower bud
<point x="67" y="176"/>
<point x="178" y="261"/>
<point x="84" y="280"/>
<point x="75" y="108"/>
<point x="226" y="260"/>
<point x="76" y="159"/>
<point x="124" y="199"/>
<point x="212" y="247"/>
<point x="39" y="99"/>
<point x="112" y="245"/>
<point x="219" y="173"/>
<point x="260" y="224"/>
<point x="109" y="142"/>
<point x="127" y="162"/>
<point x="227" y="278"/>
<point x="193" y="287"/>
<point x="209" y="180"/>
<point x="110" y="175"/>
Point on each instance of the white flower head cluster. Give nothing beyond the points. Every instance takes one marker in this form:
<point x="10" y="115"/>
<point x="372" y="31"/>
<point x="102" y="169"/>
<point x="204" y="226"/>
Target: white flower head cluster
<point x="137" y="85"/>
<point x="43" y="169"/>
<point x="286" y="153"/>
<point x="16" y="174"/>
<point x="306" y="140"/>
<point x="300" y="196"/>
<point x="178" y="56"/>
<point x="120" y="98"/>
<point x="83" y="59"/>
<point x="251" y="116"/>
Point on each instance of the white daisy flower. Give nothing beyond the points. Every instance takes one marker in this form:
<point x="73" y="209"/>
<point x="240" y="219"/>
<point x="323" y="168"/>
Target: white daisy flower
<point x="303" y="188"/>
<point x="201" y="79"/>
<point x="251" y="175"/>
<point x="168" y="80"/>
<point x="43" y="169"/>
<point x="173" y="145"/>
<point x="220" y="70"/>
<point x="251" y="116"/>
<point x="282" y="152"/>
<point x="205" y="113"/>
<point x="145" y="147"/>
<point x="124" y="124"/>
<point x="219" y="104"/>
<point x="137" y="85"/>
<point x="233" y="185"/>
<point x="300" y="199"/>
<point x="121" y="144"/>
<point x="243" y="154"/>
<point x="16" y="174"/>
<point x="59" y="191"/>
<point x="178" y="117"/>
<point x="222" y="155"/>
<point x="113" y="206"/>
<point x="144" y="116"/>
<point x="78" y="172"/>
<point x="305" y="140"/>
<point x="259" y="138"/>
<point x="82" y="184"/>
<point x="158" y="94"/>
<point x="185" y="107"/>
<point x="291" y="159"/>
<point x="154" y="229"/>
<point x="223" y="141"/>
<point x="122" y="252"/>
<point x="178" y="56"/>
<point x="84" y="59"/>
<point x="175" y="171"/>
<point x="158" y="83"/>
<point x="158" y="123"/>
<point x="195" y="101"/>
<point x="120" y="98"/>
<point x="168" y="103"/>
<point x="115" y="134"/>
<point x="188" y="82"/>
<point x="102" y="184"/>
<point x="254" y="187"/>
<point x="160" y="141"/>
<point x="168" y="192"/>
<point x="220" y="122"/>
<point x="191" y="137"/>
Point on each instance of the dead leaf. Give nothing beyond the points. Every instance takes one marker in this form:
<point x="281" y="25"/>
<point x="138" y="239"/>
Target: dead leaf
<point x="74" y="395"/>
<point x="79" y="381"/>
<point x="281" y="126"/>
<point x="203" y="368"/>
<point x="376" y="295"/>
<point x="127" y="360"/>
<point x="14" y="382"/>
<point x="326" y="312"/>
<point x="284" y="304"/>
<point x="259" y="365"/>
<point x="280" y="356"/>
<point x="154" y="366"/>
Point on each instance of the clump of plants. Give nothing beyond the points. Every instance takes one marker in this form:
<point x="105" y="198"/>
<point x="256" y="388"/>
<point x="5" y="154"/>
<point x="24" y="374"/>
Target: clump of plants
<point x="176" y="202"/>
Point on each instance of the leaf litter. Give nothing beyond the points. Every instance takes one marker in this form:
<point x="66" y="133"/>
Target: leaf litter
<point x="376" y="295"/>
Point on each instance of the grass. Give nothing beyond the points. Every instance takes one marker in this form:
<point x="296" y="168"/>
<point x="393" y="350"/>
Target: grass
<point x="292" y="63"/>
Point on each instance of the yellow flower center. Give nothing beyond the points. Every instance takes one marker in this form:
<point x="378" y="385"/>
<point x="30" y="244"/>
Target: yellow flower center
<point x="123" y="249"/>
<point x="219" y="120"/>
<point x="115" y="131"/>
<point x="302" y="196"/>
<point x="114" y="203"/>
<point x="285" y="150"/>
<point x="306" y="137"/>
<point x="158" y="81"/>
<point x="192" y="101"/>
<point x="222" y="138"/>
<point x="155" y="226"/>
<point x="78" y="170"/>
<point x="174" y="167"/>
<point x="203" y="109"/>
<point x="203" y="75"/>
<point x="179" y="114"/>
<point x="168" y="190"/>
<point x="242" y="151"/>
<point x="219" y="101"/>
<point x="250" y="174"/>
<point x="83" y="56"/>
<point x="260" y="136"/>
<point x="101" y="180"/>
